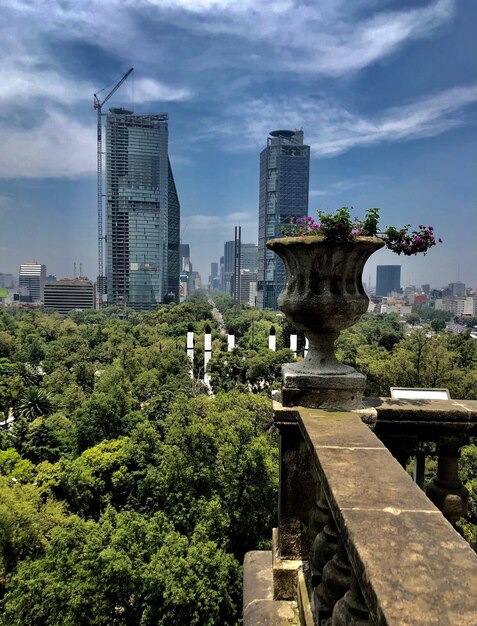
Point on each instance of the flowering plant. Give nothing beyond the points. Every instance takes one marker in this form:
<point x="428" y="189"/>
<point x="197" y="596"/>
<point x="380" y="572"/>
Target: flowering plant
<point x="340" y="227"/>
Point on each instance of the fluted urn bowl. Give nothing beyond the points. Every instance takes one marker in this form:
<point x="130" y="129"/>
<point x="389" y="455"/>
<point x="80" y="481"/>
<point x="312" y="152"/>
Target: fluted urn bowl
<point x="324" y="293"/>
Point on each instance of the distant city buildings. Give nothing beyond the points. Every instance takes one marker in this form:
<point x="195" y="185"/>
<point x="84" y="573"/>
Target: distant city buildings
<point x="32" y="278"/>
<point x="7" y="281"/>
<point x="143" y="212"/>
<point x="248" y="287"/>
<point x="388" y="279"/>
<point x="190" y="280"/>
<point x="465" y="306"/>
<point x="283" y="194"/>
<point x="249" y="257"/>
<point x="69" y="295"/>
<point x="457" y="289"/>
<point x="230" y="266"/>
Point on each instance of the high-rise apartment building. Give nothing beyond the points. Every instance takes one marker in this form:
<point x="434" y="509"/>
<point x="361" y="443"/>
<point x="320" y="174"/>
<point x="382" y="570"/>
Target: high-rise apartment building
<point x="143" y="212"/>
<point x="283" y="194"/>
<point x="388" y="279"/>
<point x="32" y="280"/>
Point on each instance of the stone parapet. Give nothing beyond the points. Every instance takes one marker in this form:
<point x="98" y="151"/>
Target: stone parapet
<point x="362" y="541"/>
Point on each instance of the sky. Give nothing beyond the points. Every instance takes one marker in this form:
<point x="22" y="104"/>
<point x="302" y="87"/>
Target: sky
<point x="384" y="90"/>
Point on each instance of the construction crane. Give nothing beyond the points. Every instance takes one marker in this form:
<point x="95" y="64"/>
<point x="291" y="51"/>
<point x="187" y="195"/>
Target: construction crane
<point x="98" y="104"/>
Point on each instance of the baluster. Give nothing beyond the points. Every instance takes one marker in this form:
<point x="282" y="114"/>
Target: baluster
<point x="351" y="610"/>
<point x="445" y="490"/>
<point x="322" y="515"/>
<point x="336" y="580"/>
<point x="324" y="548"/>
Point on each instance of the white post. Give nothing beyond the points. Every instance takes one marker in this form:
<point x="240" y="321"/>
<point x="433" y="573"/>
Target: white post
<point x="294" y="344"/>
<point x="230" y="341"/>
<point x="207" y="353"/>
<point x="190" y="348"/>
<point x="272" y="339"/>
<point x="305" y="352"/>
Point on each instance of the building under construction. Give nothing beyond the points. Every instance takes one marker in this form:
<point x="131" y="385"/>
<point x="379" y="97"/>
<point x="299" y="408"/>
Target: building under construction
<point x="142" y="214"/>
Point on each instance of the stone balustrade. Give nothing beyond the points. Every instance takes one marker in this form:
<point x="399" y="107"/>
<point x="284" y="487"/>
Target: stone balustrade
<point x="416" y="428"/>
<point x="357" y="541"/>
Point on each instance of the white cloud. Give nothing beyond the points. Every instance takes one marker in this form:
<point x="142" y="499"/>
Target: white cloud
<point x="331" y="129"/>
<point x="59" y="147"/>
<point x="218" y="225"/>
<point x="330" y="37"/>
<point x="22" y="79"/>
<point x="151" y="90"/>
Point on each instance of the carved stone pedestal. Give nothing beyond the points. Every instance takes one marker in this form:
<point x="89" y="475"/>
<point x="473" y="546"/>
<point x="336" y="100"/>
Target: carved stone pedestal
<point x="326" y="391"/>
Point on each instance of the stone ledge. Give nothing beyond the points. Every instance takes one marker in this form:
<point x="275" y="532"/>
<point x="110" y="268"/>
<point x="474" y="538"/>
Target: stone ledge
<point x="285" y="573"/>
<point x="413" y="567"/>
<point x="259" y="607"/>
<point x="271" y="613"/>
<point x="414" y="415"/>
<point x="257" y="576"/>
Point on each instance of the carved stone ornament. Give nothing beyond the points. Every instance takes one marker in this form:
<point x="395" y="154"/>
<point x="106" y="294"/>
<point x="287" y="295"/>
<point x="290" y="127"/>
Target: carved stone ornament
<point x="323" y="295"/>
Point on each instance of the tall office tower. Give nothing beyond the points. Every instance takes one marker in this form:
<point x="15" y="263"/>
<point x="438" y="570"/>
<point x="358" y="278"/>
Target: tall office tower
<point x="457" y="289"/>
<point x="229" y="265"/>
<point x="214" y="270"/>
<point x="143" y="212"/>
<point x="283" y="194"/>
<point x="70" y="295"/>
<point x="249" y="257"/>
<point x="32" y="280"/>
<point x="173" y="238"/>
<point x="222" y="273"/>
<point x="388" y="279"/>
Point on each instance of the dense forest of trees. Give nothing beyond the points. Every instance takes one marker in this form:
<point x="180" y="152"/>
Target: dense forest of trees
<point x="129" y="495"/>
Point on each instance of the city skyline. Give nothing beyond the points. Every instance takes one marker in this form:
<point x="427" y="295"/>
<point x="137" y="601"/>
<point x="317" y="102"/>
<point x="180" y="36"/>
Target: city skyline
<point x="386" y="96"/>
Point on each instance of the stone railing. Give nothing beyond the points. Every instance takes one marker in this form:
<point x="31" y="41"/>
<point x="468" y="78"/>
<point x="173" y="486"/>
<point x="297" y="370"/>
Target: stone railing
<point x="358" y="542"/>
<point x="419" y="427"/>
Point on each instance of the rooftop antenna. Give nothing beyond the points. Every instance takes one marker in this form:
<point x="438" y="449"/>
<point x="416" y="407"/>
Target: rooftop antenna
<point x="98" y="104"/>
<point x="74" y="269"/>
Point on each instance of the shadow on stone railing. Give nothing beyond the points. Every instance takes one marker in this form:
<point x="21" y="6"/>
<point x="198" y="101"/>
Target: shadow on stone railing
<point x="358" y="542"/>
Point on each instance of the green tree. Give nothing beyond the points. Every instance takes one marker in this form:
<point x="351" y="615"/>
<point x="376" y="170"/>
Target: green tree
<point x="33" y="403"/>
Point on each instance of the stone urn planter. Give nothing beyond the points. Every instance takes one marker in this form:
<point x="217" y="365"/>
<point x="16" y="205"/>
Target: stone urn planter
<point x="323" y="295"/>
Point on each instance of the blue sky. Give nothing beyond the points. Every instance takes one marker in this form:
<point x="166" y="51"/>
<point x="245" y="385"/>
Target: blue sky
<point x="385" y="91"/>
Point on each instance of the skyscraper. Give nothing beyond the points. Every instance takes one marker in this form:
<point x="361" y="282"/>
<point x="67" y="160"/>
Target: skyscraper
<point x="32" y="280"/>
<point x="283" y="193"/>
<point x="143" y="212"/>
<point x="388" y="279"/>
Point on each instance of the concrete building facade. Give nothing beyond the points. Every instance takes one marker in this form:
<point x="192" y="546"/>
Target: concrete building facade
<point x="70" y="295"/>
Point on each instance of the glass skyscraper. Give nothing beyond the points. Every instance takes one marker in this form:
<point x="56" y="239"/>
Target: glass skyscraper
<point x="283" y="194"/>
<point x="388" y="279"/>
<point x="143" y="212"/>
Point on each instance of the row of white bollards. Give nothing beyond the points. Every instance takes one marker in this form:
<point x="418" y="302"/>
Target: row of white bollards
<point x="272" y="345"/>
